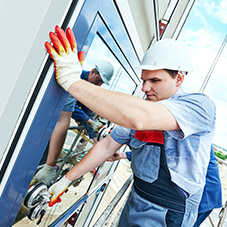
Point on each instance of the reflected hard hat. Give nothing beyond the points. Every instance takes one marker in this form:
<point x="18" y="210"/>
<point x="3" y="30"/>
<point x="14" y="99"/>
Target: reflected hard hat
<point x="105" y="70"/>
<point x="167" y="54"/>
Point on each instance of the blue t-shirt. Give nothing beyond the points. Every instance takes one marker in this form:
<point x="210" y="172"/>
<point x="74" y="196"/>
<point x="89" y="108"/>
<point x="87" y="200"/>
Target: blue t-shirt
<point x="187" y="150"/>
<point x="81" y="113"/>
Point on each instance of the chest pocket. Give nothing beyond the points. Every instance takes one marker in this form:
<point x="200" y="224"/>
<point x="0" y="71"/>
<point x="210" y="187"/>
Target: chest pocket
<point x="146" y="149"/>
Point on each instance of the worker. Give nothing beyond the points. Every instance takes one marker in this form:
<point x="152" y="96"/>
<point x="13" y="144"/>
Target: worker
<point x="102" y="73"/>
<point x="212" y="193"/>
<point x="170" y="132"/>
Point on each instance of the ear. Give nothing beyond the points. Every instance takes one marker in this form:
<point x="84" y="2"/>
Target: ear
<point x="92" y="71"/>
<point x="90" y="75"/>
<point x="179" y="79"/>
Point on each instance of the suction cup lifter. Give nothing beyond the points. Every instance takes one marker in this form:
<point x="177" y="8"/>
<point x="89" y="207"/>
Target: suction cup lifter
<point x="104" y="131"/>
<point x="36" y="200"/>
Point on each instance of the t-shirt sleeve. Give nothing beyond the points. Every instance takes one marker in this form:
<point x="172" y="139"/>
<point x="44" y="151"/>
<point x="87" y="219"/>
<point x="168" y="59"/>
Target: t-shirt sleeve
<point x="129" y="155"/>
<point x="121" y="135"/>
<point x="194" y="113"/>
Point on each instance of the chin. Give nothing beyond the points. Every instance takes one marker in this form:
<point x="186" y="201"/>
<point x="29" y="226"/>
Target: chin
<point x="152" y="98"/>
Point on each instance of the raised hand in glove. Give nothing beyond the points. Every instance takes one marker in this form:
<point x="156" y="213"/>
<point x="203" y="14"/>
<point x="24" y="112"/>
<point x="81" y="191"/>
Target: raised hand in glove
<point x="57" y="189"/>
<point x="64" y="54"/>
<point x="45" y="175"/>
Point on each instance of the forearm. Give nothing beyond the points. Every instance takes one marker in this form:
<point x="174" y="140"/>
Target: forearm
<point x="95" y="157"/>
<point x="122" y="109"/>
<point x="79" y="115"/>
<point x="113" y="106"/>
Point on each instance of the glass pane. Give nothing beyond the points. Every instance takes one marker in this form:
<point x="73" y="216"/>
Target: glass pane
<point x="78" y="142"/>
<point x="121" y="81"/>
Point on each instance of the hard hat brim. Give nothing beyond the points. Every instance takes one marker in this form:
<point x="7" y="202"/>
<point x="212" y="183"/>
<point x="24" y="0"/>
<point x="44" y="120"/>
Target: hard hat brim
<point x="147" y="67"/>
<point x="105" y="81"/>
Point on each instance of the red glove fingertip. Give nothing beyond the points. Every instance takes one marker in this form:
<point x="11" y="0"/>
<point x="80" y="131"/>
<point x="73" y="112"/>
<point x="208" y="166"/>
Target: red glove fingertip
<point x="70" y="36"/>
<point x="62" y="37"/>
<point x="52" y="202"/>
<point x="57" y="42"/>
<point x="50" y="49"/>
<point x="57" y="28"/>
<point x="81" y="57"/>
<point x="58" y="200"/>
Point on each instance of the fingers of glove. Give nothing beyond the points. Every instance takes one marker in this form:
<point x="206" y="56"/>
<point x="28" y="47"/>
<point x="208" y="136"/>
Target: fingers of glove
<point x="57" y="43"/>
<point x="71" y="38"/>
<point x="55" y="199"/>
<point x="35" y="179"/>
<point x="63" y="39"/>
<point x="32" y="182"/>
<point x="81" y="57"/>
<point x="52" y="52"/>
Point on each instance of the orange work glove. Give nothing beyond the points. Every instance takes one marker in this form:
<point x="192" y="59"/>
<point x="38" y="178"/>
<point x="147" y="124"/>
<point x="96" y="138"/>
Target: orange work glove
<point x="64" y="54"/>
<point x="57" y="190"/>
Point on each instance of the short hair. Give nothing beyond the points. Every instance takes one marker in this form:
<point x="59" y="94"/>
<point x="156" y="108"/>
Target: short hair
<point x="95" y="71"/>
<point x="173" y="73"/>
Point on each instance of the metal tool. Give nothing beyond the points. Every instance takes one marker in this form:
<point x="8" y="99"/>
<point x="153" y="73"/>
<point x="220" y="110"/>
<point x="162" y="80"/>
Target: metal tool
<point x="104" y="131"/>
<point x="37" y="199"/>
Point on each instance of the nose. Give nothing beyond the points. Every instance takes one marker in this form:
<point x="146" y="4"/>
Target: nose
<point x="146" y="86"/>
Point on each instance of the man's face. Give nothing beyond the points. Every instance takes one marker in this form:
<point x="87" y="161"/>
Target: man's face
<point x="159" y="85"/>
<point x="95" y="78"/>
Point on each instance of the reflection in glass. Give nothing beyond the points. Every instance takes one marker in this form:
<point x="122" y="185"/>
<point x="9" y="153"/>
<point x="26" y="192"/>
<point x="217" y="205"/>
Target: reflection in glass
<point x="72" y="152"/>
<point x="120" y="81"/>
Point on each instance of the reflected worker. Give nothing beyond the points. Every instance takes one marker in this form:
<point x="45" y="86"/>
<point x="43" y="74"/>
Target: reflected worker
<point x="102" y="73"/>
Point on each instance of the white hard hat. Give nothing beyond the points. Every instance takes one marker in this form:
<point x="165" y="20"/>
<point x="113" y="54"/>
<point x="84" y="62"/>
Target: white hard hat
<point x="167" y="54"/>
<point x="105" y="70"/>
